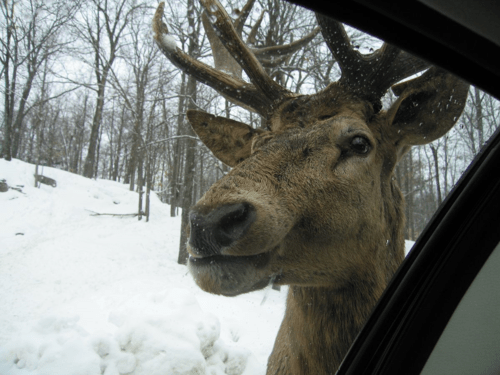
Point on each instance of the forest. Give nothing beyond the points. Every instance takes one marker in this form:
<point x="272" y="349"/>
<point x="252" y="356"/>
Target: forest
<point x="85" y="89"/>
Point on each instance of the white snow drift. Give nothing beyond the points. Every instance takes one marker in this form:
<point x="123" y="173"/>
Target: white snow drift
<point x="84" y="294"/>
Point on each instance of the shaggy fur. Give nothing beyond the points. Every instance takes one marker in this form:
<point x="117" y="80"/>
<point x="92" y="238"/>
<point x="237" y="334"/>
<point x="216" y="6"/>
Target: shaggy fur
<point x="312" y="202"/>
<point x="327" y="212"/>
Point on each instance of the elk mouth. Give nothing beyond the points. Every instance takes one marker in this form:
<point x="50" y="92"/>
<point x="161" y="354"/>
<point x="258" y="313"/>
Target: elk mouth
<point x="230" y="275"/>
<point x="226" y="257"/>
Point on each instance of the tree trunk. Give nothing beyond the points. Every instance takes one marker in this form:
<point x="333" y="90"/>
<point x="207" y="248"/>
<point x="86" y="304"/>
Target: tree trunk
<point x="98" y="151"/>
<point x="21" y="111"/>
<point x="119" y="146"/>
<point x="409" y="198"/>
<point x="177" y="157"/>
<point x="8" y="97"/>
<point x="89" y="167"/>
<point x="201" y="190"/>
<point x="479" y="116"/>
<point x="140" y="190"/>
<point x="134" y="154"/>
<point x="148" y="192"/>
<point x="189" y="166"/>
<point x="148" y="187"/>
<point x="189" y="174"/>
<point x="436" y="168"/>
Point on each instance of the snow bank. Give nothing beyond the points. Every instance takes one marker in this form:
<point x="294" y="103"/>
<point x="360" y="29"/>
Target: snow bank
<point x="86" y="294"/>
<point x="174" y="336"/>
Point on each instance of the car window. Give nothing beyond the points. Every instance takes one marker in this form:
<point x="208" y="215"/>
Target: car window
<point x="100" y="168"/>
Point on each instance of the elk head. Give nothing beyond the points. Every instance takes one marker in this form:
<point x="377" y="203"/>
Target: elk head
<point x="311" y="201"/>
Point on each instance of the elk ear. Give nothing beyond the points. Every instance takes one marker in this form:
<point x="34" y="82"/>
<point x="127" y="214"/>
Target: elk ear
<point x="427" y="107"/>
<point x="229" y="140"/>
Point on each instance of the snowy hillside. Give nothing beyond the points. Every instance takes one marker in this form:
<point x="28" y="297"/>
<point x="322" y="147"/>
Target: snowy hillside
<point x="84" y="295"/>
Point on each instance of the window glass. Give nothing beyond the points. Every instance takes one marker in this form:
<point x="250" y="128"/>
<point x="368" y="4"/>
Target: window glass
<point x="469" y="343"/>
<point x="101" y="161"/>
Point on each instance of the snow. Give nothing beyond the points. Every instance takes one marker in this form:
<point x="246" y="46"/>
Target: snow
<point x="84" y="294"/>
<point x="168" y="42"/>
<point x="408" y="246"/>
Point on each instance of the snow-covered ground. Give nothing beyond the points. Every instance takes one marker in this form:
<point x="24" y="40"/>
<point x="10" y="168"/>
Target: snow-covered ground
<point x="85" y="295"/>
<point x="82" y="294"/>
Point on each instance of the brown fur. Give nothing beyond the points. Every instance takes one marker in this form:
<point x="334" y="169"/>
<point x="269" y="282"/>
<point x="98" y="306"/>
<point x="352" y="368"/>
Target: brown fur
<point x="329" y="221"/>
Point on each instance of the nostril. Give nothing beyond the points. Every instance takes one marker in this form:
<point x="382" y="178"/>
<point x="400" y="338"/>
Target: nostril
<point x="234" y="220"/>
<point x="210" y="232"/>
<point x="197" y="228"/>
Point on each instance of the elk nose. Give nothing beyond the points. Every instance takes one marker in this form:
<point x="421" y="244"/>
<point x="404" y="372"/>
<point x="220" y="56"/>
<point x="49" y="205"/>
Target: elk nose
<point x="219" y="228"/>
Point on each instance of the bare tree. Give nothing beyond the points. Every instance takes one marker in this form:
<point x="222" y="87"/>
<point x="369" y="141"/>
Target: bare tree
<point x="140" y="58"/>
<point x="103" y="24"/>
<point x="194" y="26"/>
<point x="31" y="36"/>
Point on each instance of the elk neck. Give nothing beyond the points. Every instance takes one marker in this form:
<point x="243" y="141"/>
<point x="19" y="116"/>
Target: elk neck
<point x="319" y="326"/>
<point x="321" y="322"/>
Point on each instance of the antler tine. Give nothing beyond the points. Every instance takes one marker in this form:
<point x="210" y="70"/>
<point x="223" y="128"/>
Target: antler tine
<point x="253" y="32"/>
<point x="236" y="89"/>
<point x="284" y="50"/>
<point x="242" y="17"/>
<point x="223" y="61"/>
<point x="403" y="67"/>
<point x="242" y="54"/>
<point x="338" y="42"/>
<point x="369" y="76"/>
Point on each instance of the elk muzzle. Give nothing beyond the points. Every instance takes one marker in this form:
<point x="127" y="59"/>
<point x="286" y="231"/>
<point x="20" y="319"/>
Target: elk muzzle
<point x="218" y="229"/>
<point x="213" y="261"/>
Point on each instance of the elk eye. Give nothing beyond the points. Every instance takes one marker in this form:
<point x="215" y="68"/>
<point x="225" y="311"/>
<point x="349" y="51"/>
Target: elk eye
<point x="360" y="145"/>
<point x="325" y="117"/>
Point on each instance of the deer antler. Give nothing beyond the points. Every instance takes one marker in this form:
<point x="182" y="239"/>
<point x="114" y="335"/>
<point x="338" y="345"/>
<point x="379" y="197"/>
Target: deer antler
<point x="368" y="76"/>
<point x="238" y="90"/>
<point x="231" y="55"/>
<point x="269" y="57"/>
<point x="242" y="17"/>
<point x="255" y="28"/>
<point x="275" y="55"/>
<point x="241" y="53"/>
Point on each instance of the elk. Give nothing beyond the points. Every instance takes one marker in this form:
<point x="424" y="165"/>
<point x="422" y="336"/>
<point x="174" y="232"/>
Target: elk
<point x="311" y="201"/>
